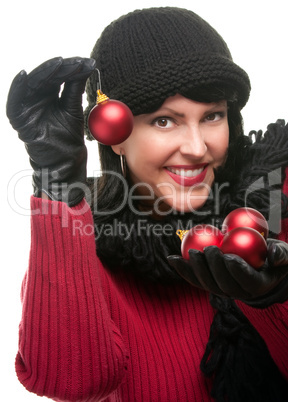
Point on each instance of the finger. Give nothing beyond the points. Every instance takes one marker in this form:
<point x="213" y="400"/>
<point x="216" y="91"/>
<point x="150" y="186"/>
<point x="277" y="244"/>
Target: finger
<point x="88" y="65"/>
<point x="278" y="294"/>
<point x="43" y="74"/>
<point x="73" y="68"/>
<point x="184" y="269"/>
<point x="222" y="273"/>
<point x="16" y="94"/>
<point x="252" y="281"/>
<point x="25" y="86"/>
<point x="202" y="272"/>
<point x="47" y="78"/>
<point x="256" y="282"/>
<point x="71" y="98"/>
<point x="277" y="252"/>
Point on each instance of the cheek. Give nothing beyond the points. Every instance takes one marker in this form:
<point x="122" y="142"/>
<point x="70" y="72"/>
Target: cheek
<point x="141" y="156"/>
<point x="219" y="147"/>
<point x="140" y="161"/>
<point x="146" y="151"/>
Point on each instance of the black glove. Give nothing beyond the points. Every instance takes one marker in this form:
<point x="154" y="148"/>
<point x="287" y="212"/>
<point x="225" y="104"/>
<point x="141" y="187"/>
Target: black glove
<point x="52" y="126"/>
<point x="230" y="276"/>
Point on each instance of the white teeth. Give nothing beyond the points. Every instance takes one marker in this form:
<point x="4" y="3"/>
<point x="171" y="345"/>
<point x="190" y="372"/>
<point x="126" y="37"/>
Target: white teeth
<point x="185" y="172"/>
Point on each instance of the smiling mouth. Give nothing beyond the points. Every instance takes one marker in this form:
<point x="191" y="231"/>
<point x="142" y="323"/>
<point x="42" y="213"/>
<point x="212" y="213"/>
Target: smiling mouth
<point x="186" y="172"/>
<point x="188" y="176"/>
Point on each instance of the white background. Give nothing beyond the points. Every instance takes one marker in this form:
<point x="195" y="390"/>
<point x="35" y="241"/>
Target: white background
<point x="33" y="31"/>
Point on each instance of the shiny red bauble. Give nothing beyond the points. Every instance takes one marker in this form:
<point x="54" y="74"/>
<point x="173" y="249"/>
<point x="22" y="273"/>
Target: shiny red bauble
<point x="110" y="122"/>
<point x="199" y="237"/>
<point x="247" y="243"/>
<point x="246" y="217"/>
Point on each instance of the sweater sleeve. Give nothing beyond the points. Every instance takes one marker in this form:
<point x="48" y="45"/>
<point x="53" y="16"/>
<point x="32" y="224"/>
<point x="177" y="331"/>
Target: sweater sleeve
<point x="272" y="322"/>
<point x="69" y="348"/>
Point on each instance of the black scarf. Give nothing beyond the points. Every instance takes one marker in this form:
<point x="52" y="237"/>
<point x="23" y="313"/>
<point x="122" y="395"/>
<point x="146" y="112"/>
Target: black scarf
<point x="236" y="356"/>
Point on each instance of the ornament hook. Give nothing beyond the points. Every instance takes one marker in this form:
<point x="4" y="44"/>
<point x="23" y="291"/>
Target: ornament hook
<point x="99" y="80"/>
<point x="100" y="96"/>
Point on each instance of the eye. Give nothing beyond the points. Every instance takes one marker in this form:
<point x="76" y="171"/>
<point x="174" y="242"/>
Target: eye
<point x="163" y="122"/>
<point x="215" y="116"/>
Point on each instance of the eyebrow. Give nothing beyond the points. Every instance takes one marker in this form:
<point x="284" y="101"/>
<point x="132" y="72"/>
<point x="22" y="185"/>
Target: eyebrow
<point x="172" y="111"/>
<point x="214" y="105"/>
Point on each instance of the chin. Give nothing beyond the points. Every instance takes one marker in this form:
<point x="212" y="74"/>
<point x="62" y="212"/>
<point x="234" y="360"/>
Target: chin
<point x="186" y="206"/>
<point x="182" y="201"/>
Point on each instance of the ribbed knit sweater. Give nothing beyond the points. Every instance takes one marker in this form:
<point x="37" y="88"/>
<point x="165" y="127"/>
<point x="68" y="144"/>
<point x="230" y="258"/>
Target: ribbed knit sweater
<point x="89" y="335"/>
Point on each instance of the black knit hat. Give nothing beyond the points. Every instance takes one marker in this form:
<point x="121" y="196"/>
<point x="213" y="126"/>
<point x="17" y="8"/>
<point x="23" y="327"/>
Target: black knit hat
<point x="148" y="55"/>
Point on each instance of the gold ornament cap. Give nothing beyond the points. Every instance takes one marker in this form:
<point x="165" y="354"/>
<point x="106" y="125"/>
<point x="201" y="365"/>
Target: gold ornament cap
<point x="181" y="233"/>
<point x="101" y="97"/>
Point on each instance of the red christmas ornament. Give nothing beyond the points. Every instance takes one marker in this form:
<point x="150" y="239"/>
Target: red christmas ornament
<point x="199" y="237"/>
<point x="246" y="217"/>
<point x="110" y="121"/>
<point x="247" y="243"/>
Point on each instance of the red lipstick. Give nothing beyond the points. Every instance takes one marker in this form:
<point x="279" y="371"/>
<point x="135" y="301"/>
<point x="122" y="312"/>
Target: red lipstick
<point x="185" y="180"/>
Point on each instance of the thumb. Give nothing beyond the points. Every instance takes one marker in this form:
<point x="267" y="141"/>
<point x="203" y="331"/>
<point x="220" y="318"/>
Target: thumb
<point x="277" y="252"/>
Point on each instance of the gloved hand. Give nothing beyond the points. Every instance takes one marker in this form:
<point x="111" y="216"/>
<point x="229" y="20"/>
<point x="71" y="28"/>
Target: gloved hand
<point x="52" y="126"/>
<point x="229" y="275"/>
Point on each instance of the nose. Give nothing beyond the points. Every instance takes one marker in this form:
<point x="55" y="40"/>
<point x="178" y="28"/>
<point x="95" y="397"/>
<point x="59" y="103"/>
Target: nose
<point x="193" y="142"/>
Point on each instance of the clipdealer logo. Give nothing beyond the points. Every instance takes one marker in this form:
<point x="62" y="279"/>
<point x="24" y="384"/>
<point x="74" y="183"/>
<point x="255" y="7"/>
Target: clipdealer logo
<point x="273" y="181"/>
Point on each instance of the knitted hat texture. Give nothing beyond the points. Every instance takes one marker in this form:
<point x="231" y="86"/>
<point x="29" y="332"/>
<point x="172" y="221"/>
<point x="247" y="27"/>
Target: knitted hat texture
<point x="148" y="55"/>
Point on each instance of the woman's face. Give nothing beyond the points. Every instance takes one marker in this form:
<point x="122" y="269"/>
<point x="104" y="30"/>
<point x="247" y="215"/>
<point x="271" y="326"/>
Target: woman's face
<point x="172" y="152"/>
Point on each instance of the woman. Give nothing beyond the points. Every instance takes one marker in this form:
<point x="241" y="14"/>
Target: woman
<point x="121" y="323"/>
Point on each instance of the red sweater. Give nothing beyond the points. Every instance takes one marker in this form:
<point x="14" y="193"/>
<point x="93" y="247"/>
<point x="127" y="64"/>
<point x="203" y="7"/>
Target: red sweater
<point x="87" y="335"/>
